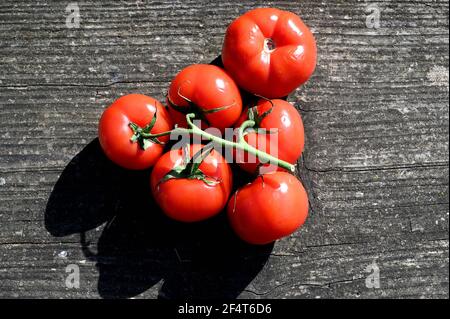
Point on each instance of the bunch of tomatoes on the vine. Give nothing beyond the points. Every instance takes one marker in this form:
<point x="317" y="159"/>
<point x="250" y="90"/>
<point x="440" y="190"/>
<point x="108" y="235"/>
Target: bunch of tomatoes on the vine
<point x="267" y="53"/>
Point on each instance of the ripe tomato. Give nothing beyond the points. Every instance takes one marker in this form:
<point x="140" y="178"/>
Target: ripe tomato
<point x="286" y="141"/>
<point x="271" y="207"/>
<point x="269" y="52"/>
<point x="208" y="91"/>
<point x="196" y="197"/>
<point x="115" y="132"/>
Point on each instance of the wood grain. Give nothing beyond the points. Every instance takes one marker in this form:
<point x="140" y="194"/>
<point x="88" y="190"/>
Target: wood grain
<point x="376" y="116"/>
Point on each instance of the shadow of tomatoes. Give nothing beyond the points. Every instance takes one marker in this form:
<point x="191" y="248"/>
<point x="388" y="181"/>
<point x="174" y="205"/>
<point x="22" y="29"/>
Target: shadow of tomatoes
<point x="139" y="246"/>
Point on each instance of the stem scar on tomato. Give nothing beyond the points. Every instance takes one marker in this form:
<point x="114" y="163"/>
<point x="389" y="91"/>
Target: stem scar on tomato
<point x="269" y="45"/>
<point x="190" y="166"/>
<point x="288" y="48"/>
<point x="139" y="133"/>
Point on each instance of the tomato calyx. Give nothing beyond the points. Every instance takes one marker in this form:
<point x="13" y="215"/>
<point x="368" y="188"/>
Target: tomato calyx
<point x="189" y="168"/>
<point x="253" y="115"/>
<point x="194" y="108"/>
<point x="142" y="135"/>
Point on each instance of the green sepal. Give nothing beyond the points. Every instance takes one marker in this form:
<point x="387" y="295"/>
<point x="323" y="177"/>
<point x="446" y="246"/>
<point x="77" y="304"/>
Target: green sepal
<point x="199" y="157"/>
<point x="194" y="108"/>
<point x="217" y="109"/>
<point x="134" y="138"/>
<point x="145" y="143"/>
<point x="140" y="134"/>
<point x="253" y="115"/>
<point x="175" y="173"/>
<point x="190" y="167"/>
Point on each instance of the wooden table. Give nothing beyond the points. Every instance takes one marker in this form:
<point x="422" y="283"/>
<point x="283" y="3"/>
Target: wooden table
<point x="376" y="115"/>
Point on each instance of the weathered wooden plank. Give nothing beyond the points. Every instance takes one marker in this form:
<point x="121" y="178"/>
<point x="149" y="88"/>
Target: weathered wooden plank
<point x="151" y="41"/>
<point x="407" y="269"/>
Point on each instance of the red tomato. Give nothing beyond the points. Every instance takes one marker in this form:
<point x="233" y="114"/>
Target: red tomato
<point x="286" y="141"/>
<point x="191" y="199"/>
<point x="115" y="133"/>
<point x="271" y="207"/>
<point x="208" y="91"/>
<point x="269" y="52"/>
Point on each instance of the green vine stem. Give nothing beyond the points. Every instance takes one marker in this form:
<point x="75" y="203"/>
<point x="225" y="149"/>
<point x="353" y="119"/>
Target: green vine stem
<point x="241" y="144"/>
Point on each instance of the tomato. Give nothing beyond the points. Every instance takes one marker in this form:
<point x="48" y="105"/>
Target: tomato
<point x="269" y="52"/>
<point x="208" y="91"/>
<point x="192" y="198"/>
<point x="271" y="207"/>
<point x="115" y="132"/>
<point x="285" y="142"/>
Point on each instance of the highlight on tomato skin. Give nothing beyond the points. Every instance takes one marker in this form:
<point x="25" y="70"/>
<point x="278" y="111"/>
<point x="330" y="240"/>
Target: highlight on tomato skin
<point x="269" y="52"/>
<point x="115" y="133"/>
<point x="209" y="92"/>
<point x="273" y="206"/>
<point x="279" y="131"/>
<point x="191" y="195"/>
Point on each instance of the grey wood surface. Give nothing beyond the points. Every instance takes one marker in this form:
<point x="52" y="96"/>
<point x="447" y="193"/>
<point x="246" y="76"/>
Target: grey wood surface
<point x="376" y="116"/>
